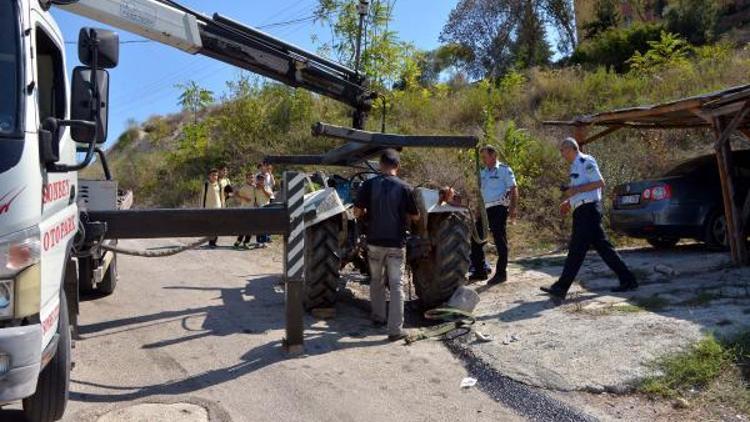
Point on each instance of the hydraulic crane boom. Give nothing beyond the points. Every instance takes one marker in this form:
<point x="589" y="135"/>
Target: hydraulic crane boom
<point x="223" y="39"/>
<point x="218" y="37"/>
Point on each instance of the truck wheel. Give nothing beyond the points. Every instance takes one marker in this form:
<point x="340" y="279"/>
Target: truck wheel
<point x="109" y="281"/>
<point x="663" y="242"/>
<point x="322" y="264"/>
<point x="51" y="396"/>
<point x="85" y="275"/>
<point x="444" y="269"/>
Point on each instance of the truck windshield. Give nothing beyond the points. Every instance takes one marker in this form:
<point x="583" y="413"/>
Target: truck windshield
<point x="10" y="77"/>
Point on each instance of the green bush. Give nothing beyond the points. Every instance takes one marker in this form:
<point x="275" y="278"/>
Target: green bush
<point x="693" y="19"/>
<point x="695" y="367"/>
<point x="612" y="48"/>
<point x="669" y="50"/>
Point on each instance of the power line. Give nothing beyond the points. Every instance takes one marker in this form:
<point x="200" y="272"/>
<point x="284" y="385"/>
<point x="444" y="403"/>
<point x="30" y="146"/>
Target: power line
<point x="121" y="42"/>
<point x="288" y="23"/>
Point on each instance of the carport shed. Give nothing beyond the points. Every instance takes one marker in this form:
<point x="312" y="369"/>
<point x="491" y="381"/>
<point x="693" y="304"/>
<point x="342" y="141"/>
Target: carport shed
<point x="725" y="112"/>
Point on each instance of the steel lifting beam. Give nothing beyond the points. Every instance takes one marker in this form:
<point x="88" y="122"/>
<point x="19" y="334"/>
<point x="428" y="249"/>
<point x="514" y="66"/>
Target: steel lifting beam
<point x="286" y="219"/>
<point x="364" y="144"/>
<point x="394" y="140"/>
<point x="155" y="223"/>
<point x="302" y="160"/>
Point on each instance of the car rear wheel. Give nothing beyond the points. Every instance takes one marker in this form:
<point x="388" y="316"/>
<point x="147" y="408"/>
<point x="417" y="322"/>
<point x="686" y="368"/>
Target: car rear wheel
<point x="716" y="231"/>
<point x="663" y="242"/>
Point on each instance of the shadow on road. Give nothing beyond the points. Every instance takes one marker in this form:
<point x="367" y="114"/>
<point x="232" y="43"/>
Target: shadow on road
<point x="253" y="309"/>
<point x="699" y="277"/>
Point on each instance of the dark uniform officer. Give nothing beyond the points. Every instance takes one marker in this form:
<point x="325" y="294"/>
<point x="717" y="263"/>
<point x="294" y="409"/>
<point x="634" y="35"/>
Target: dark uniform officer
<point x="584" y="196"/>
<point x="498" y="186"/>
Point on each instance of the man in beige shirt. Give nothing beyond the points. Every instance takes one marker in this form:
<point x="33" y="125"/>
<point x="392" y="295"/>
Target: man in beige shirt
<point x="212" y="197"/>
<point x="246" y="197"/>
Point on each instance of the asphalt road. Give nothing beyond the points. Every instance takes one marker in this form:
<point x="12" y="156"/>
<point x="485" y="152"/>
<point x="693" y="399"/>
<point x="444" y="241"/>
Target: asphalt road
<point x="205" y="327"/>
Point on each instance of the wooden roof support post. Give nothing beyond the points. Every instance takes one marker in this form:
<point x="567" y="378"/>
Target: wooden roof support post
<point x="599" y="135"/>
<point x="579" y="134"/>
<point x="734" y="226"/>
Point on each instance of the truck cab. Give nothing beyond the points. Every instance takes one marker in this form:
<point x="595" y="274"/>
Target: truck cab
<point x="39" y="215"/>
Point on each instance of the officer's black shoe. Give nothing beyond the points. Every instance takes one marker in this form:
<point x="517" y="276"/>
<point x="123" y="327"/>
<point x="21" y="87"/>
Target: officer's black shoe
<point x="497" y="279"/>
<point x="397" y="337"/>
<point x="554" y="293"/>
<point x="625" y="287"/>
<point x="477" y="276"/>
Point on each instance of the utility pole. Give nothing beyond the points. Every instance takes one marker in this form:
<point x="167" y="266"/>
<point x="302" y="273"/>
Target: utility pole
<point x="362" y="9"/>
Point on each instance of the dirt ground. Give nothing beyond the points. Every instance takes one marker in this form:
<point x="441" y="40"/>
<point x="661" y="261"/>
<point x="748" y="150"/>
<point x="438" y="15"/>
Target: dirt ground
<point x="591" y="351"/>
<point x="594" y="348"/>
<point x="204" y="328"/>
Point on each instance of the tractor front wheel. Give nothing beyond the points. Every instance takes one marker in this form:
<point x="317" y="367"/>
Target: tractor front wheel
<point x="322" y="264"/>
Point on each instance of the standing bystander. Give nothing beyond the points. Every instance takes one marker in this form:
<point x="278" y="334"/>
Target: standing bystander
<point x="212" y="197"/>
<point x="261" y="197"/>
<point x="246" y="197"/>
<point x="388" y="205"/>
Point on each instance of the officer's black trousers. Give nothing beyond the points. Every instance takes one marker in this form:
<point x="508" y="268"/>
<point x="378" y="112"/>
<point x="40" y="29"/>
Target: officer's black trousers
<point x="497" y="217"/>
<point x="587" y="232"/>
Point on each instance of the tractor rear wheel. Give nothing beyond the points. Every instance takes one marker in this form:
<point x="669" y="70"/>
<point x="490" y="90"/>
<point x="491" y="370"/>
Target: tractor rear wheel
<point x="438" y="274"/>
<point x="322" y="264"/>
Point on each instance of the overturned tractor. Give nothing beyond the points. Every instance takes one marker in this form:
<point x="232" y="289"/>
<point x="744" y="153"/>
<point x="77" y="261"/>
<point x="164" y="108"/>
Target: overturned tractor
<point x="439" y="244"/>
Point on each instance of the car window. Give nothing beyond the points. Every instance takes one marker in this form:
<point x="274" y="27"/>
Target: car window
<point x="696" y="165"/>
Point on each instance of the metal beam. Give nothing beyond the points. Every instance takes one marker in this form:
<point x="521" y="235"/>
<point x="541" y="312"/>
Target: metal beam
<point x="294" y="262"/>
<point x="155" y="223"/>
<point x="302" y="160"/>
<point x="394" y="140"/>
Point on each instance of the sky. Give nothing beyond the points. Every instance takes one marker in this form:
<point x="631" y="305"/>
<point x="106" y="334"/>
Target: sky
<point x="144" y="82"/>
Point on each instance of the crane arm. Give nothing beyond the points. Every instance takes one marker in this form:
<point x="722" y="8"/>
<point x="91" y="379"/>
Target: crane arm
<point x="218" y="37"/>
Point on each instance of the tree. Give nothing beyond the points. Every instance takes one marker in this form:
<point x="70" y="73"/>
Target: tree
<point x="383" y="54"/>
<point x="425" y="68"/>
<point x="606" y="16"/>
<point x="693" y="19"/>
<point x="194" y="98"/>
<point x="531" y="47"/>
<point x="496" y="30"/>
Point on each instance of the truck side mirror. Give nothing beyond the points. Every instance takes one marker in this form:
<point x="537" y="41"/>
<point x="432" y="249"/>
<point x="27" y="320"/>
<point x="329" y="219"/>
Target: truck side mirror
<point x="49" y="141"/>
<point x="98" y="48"/>
<point x="82" y="104"/>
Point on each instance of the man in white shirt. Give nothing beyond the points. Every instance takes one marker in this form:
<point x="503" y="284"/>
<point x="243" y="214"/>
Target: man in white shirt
<point x="500" y="195"/>
<point x="583" y="197"/>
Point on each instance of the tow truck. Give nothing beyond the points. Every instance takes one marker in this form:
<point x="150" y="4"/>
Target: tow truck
<point x="53" y="226"/>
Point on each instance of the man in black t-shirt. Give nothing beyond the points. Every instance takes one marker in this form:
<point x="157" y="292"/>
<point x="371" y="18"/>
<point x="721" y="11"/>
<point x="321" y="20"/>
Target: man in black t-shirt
<point x="388" y="205"/>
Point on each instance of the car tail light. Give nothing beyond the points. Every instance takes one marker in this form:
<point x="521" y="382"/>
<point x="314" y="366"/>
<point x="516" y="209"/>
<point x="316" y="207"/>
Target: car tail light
<point x="657" y="193"/>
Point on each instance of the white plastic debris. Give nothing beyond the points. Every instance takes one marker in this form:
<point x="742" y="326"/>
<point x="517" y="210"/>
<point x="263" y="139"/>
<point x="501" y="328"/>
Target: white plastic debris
<point x="468" y="382"/>
<point x="484" y="338"/>
<point x="464" y="299"/>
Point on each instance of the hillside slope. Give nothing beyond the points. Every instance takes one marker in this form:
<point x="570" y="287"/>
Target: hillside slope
<point x="165" y="158"/>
